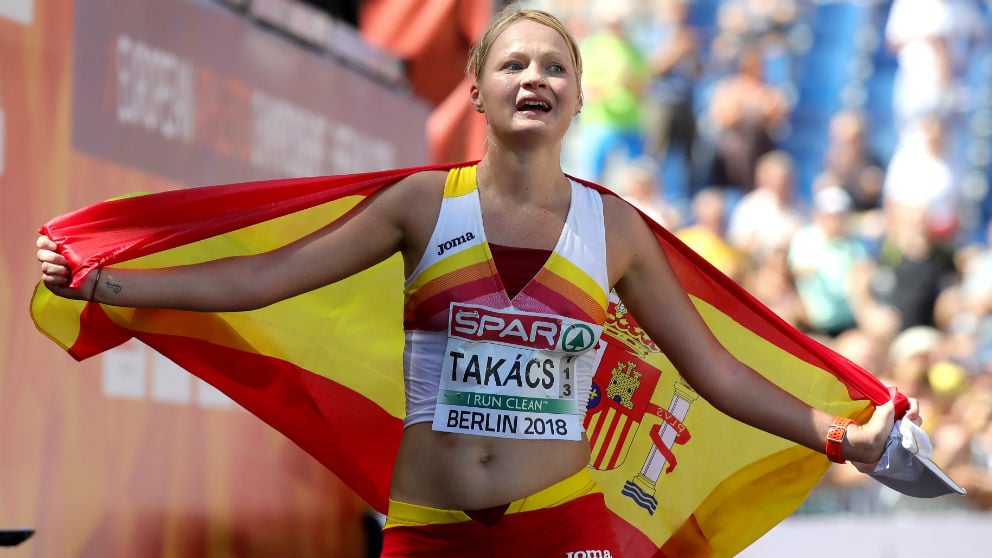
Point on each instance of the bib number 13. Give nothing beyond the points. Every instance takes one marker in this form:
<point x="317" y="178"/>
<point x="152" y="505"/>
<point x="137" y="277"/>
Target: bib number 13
<point x="567" y="382"/>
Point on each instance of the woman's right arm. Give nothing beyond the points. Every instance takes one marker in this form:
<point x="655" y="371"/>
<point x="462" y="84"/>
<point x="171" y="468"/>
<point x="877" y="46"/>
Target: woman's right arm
<point x="368" y="236"/>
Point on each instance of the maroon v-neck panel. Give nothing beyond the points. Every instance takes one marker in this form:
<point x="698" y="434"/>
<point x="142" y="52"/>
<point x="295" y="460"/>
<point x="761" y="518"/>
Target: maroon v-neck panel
<point x="517" y="266"/>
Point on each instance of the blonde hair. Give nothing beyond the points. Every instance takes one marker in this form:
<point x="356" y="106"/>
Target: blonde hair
<point x="508" y="16"/>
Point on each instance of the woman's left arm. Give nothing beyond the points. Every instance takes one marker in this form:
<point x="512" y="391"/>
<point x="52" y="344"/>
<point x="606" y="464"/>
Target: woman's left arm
<point x="649" y="288"/>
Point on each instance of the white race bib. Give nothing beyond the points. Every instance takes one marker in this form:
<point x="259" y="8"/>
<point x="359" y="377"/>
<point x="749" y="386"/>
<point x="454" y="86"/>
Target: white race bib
<point x="511" y="374"/>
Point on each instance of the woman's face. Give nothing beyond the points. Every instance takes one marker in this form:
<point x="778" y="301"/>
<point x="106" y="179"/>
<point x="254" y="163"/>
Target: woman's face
<point x="528" y="87"/>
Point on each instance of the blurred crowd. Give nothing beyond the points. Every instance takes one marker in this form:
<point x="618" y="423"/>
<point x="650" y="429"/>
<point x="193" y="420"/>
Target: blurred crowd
<point x="878" y="256"/>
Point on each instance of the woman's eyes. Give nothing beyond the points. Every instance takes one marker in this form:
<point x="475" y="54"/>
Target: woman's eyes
<point x="554" y="68"/>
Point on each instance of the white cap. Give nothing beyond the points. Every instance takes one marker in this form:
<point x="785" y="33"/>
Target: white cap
<point x="832" y="199"/>
<point x="914" y="341"/>
<point x="907" y="464"/>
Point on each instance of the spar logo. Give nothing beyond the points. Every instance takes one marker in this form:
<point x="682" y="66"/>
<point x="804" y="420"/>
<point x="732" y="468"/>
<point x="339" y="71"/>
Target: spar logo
<point x="476" y="323"/>
<point x="536" y="331"/>
<point x="577" y="338"/>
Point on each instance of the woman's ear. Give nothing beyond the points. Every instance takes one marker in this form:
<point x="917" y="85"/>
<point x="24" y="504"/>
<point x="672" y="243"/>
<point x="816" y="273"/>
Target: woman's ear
<point x="475" y="98"/>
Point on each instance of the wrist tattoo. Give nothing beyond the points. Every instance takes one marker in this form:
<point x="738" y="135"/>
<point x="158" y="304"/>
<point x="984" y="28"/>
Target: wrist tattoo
<point x="116" y="288"/>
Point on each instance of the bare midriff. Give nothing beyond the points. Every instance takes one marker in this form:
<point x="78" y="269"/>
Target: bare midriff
<point x="467" y="472"/>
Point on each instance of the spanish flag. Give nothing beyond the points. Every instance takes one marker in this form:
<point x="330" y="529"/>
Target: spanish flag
<point x="325" y="368"/>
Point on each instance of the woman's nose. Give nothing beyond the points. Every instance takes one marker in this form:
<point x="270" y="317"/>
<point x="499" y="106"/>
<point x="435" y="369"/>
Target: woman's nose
<point x="532" y="75"/>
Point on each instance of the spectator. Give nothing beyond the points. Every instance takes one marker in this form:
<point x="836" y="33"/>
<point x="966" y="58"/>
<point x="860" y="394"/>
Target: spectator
<point x="916" y="269"/>
<point x="638" y="184"/>
<point x="920" y="176"/>
<point x="848" y="158"/>
<point x="829" y="265"/>
<point x="675" y="64"/>
<point x="863" y="348"/>
<point x="965" y="308"/>
<point x="613" y="86"/>
<point x="747" y="113"/>
<point x="732" y="33"/>
<point x="911" y="354"/>
<point x="706" y="234"/>
<point x="771" y="281"/>
<point x="916" y="31"/>
<point x="932" y="40"/>
<point x="764" y="219"/>
<point x="754" y="22"/>
<point x="965" y="444"/>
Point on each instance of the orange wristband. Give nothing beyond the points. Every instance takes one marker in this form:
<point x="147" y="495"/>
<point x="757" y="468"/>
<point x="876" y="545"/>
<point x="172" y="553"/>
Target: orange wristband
<point x="835" y="439"/>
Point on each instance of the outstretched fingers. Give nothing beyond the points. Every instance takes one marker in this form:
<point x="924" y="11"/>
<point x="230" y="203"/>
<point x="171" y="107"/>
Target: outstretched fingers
<point x="913" y="413"/>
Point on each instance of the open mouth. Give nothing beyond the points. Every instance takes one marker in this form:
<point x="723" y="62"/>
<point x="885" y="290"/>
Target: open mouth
<point x="533" y="105"/>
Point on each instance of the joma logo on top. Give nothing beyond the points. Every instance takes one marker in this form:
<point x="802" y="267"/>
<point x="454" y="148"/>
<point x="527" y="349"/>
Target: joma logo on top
<point x="457" y="241"/>
<point x="590" y="554"/>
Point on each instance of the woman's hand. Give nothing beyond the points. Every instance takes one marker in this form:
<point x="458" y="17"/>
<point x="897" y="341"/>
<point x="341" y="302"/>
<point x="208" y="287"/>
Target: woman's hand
<point x="55" y="272"/>
<point x="865" y="443"/>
